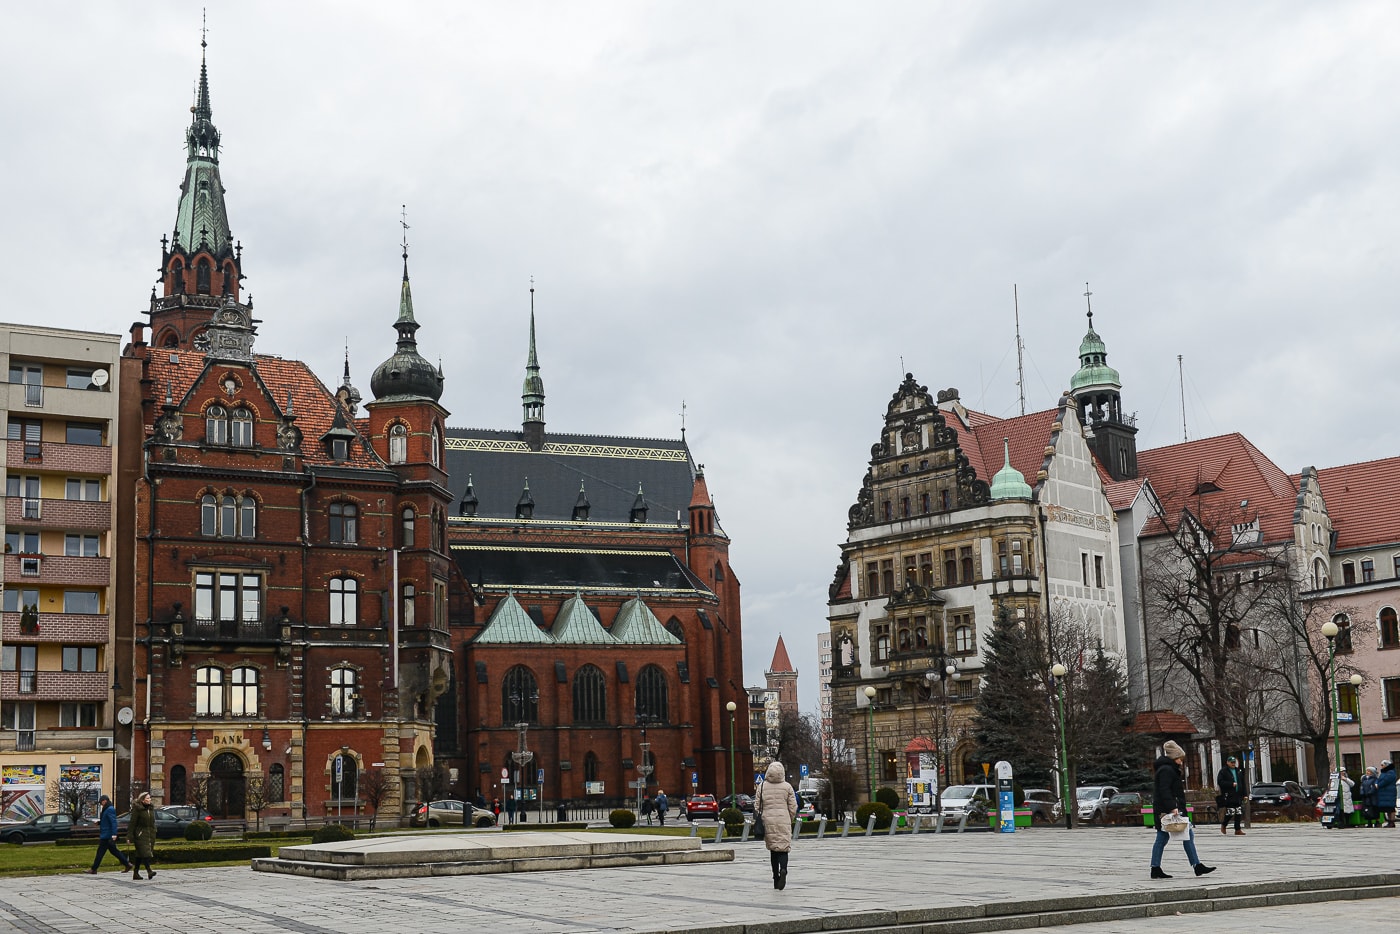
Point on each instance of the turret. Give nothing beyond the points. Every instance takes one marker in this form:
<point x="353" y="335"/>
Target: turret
<point x="532" y="394"/>
<point x="1098" y="390"/>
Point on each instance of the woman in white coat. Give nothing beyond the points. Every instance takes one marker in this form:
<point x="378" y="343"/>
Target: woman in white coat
<point x="776" y="803"/>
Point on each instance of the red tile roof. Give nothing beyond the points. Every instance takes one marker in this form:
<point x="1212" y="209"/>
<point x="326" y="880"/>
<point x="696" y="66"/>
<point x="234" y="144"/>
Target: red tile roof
<point x="1121" y="493"/>
<point x="1240" y="472"/>
<point x="1028" y="434"/>
<point x="781" y="662"/>
<point x="1362" y="502"/>
<point x="314" y="405"/>
<point x="1166" y="722"/>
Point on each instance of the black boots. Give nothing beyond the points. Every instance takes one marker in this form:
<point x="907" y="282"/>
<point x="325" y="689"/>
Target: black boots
<point x="1157" y="873"/>
<point x="1202" y="869"/>
<point x="782" y="879"/>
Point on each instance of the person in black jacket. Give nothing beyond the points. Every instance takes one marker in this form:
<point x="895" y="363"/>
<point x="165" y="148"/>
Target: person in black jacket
<point x="1169" y="797"/>
<point x="1227" y="782"/>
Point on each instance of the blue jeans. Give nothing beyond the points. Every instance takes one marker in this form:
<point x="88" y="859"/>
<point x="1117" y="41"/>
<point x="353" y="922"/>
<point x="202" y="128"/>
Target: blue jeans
<point x="1160" y="844"/>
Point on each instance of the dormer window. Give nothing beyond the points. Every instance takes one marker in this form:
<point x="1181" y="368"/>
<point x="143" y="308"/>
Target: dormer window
<point x="242" y="425"/>
<point x="398" y="444"/>
<point x="340" y="449"/>
<point x="216" y="425"/>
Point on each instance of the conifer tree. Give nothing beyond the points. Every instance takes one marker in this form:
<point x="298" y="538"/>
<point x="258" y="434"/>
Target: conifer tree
<point x="1013" y="720"/>
<point x="1105" y="749"/>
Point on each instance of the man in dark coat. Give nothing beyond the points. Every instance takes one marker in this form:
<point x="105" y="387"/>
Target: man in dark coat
<point x="1231" y="797"/>
<point x="1169" y="797"/>
<point x="107" y="836"/>
<point x="1385" y="792"/>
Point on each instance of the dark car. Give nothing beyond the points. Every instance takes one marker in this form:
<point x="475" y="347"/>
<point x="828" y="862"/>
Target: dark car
<point x="48" y="827"/>
<point x="1045" y="806"/>
<point x="701" y="806"/>
<point x="1124" y="809"/>
<point x="1280" y="798"/>
<point x="741" y="801"/>
<point x="187" y="812"/>
<point x="169" y="824"/>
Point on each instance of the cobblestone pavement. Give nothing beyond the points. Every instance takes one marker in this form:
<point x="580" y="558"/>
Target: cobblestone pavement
<point x="827" y="877"/>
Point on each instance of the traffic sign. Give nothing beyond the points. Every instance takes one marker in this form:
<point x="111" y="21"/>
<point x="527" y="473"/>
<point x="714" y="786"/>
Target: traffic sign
<point x="539" y="777"/>
<point x="695" y="778"/>
<point x="637" y="783"/>
<point x="505" y="772"/>
<point x="804" y="770"/>
<point x="339" y="769"/>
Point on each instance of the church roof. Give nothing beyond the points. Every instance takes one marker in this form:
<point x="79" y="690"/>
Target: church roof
<point x="576" y="624"/>
<point x="781" y="663"/>
<point x="525" y="568"/>
<point x="1362" y="502"/>
<point x="636" y="624"/>
<point x="314" y="405"/>
<point x="499" y="462"/>
<point x="511" y="625"/>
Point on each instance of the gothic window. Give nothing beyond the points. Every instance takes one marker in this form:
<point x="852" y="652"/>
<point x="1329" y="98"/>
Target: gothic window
<point x="406" y="614"/>
<point x="520" y="697"/>
<point x="241" y="423"/>
<point x="345" y="608"/>
<point x="208" y="515"/>
<point x="1319" y="576"/>
<point x="243" y="692"/>
<point x="209" y="691"/>
<point x="343" y="694"/>
<point x="1343" y="640"/>
<point x="590" y="696"/>
<point x="673" y="626"/>
<point x="177" y="784"/>
<point x="344" y="523"/>
<point x="276" y="783"/>
<point x="436" y="447"/>
<point x="590" y="768"/>
<point x="177" y="284"/>
<point x="398" y="444"/>
<point x="202" y="274"/>
<point x="408" y="521"/>
<point x="653" y="701"/>
<point x="1390" y="631"/>
<point x="216" y="425"/>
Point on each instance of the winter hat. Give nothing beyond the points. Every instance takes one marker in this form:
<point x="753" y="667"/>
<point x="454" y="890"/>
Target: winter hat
<point x="1229" y="759"/>
<point x="1172" y="751"/>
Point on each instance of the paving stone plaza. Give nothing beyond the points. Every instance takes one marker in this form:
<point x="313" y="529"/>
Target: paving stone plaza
<point x="883" y="884"/>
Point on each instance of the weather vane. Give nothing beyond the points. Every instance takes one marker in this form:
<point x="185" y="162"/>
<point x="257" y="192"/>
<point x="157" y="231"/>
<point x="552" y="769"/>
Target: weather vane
<point x="403" y="222"/>
<point x="1087" y="303"/>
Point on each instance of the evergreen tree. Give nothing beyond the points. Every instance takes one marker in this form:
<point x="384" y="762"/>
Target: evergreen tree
<point x="1104" y="748"/>
<point x="1013" y="720"/>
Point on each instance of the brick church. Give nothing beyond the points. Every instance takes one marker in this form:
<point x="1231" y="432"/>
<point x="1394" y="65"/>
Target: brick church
<point x="330" y="597"/>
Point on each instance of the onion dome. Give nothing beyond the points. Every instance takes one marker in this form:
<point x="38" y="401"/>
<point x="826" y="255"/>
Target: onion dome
<point x="406" y="376"/>
<point x="1094" y="371"/>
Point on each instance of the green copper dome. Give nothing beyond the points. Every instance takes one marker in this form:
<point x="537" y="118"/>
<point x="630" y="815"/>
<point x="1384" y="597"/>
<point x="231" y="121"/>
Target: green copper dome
<point x="1009" y="483"/>
<point x="1093" y="363"/>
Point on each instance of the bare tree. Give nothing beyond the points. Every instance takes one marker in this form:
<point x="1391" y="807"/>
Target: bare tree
<point x="78" y="789"/>
<point x="255" y="797"/>
<point x="797" y="740"/>
<point x="201" y="785"/>
<point x="375" y="788"/>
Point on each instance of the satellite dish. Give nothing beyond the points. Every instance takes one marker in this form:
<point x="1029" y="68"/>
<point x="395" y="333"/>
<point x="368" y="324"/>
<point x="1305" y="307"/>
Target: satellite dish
<point x="99" y="378"/>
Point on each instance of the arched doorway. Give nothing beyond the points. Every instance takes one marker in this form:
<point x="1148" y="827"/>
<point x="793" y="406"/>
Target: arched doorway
<point x="226" y="786"/>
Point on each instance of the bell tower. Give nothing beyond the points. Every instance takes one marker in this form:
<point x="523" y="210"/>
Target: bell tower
<point x="1098" y="390"/>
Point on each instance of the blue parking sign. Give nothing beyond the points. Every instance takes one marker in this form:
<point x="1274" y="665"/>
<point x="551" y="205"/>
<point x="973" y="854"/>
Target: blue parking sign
<point x="804" y="770"/>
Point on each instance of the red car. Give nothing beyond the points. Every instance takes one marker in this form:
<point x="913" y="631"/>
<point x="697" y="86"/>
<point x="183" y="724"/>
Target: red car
<point x="701" y="806"/>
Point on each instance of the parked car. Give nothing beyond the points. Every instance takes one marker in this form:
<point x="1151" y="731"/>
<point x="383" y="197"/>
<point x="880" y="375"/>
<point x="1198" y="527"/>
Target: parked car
<point x="1281" y="798"/>
<point x="1124" y="809"/>
<point x="169" y="824"/>
<point x="958" y="800"/>
<point x="450" y="812"/>
<point x="187" y="812"/>
<point x="48" y="827"/>
<point x="1092" y="802"/>
<point x="741" y="801"/>
<point x="1045" y="805"/>
<point x="701" y="806"/>
<point x="807" y="807"/>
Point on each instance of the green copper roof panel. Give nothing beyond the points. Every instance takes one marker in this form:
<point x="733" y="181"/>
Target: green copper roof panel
<point x="576" y="625"/>
<point x="511" y="625"/>
<point x="636" y="624"/>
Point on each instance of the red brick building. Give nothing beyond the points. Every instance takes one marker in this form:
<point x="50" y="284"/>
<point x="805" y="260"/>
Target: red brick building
<point x="289" y="552"/>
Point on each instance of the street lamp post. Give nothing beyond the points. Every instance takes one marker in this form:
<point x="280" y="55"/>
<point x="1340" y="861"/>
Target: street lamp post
<point x="732" y="707"/>
<point x="1059" y="671"/>
<point x="522" y="758"/>
<point x="1329" y="631"/>
<point x="1356" y="682"/>
<point x="645" y="768"/>
<point x="869" y="742"/>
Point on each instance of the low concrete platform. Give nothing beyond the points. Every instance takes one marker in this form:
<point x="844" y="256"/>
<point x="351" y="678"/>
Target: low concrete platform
<point x="460" y="854"/>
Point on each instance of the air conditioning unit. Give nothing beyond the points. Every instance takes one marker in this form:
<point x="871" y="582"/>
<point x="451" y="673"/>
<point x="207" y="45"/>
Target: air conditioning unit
<point x="104" y="742"/>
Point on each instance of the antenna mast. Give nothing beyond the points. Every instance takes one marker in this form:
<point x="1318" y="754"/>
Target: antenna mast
<point x="1020" y="358"/>
<point x="1181" y="381"/>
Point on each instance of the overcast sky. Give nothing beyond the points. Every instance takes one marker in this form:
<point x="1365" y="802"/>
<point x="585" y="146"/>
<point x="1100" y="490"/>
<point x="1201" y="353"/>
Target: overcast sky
<point x="758" y="208"/>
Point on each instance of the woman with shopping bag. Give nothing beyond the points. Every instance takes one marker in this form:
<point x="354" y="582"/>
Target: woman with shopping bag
<point x="1169" y="812"/>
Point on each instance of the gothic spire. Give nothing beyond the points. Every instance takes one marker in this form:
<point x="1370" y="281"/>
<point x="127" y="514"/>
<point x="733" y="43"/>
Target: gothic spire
<point x="532" y="393"/>
<point x="201" y="222"/>
<point x="406" y="375"/>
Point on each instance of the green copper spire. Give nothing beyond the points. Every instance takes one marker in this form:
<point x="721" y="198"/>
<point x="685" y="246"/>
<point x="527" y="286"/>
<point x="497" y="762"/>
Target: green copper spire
<point x="1094" y="370"/>
<point x="1009" y="483"/>
<point x="201" y="220"/>
<point x="532" y="393"/>
<point x="406" y="375"/>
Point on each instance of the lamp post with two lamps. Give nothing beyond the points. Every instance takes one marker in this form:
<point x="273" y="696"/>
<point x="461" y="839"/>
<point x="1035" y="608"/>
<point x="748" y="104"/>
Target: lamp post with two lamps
<point x="943" y="673"/>
<point x="732" y="707"/>
<point x="1329" y="631"/>
<point x="1356" y="682"/>
<point x="1058" y="672"/>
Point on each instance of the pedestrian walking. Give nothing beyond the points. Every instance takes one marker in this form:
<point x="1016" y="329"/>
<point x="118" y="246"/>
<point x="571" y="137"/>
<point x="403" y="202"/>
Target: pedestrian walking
<point x="661" y="806"/>
<point x="1385" y="792"/>
<point x="1344" y="804"/>
<point x="647" y="807"/>
<point x="107" y="836"/>
<point x="776" y="804"/>
<point x="141" y="830"/>
<point x="1169" y="799"/>
<point x="1370" y="813"/>
<point x="1230" y="799"/>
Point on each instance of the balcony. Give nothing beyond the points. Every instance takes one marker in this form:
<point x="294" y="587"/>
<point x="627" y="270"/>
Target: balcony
<point x="55" y="455"/>
<point x="68" y="628"/>
<point x="75" y="514"/>
<point x="55" y="685"/>
<point x="62" y="401"/>
<point x="209" y="630"/>
<point x="58" y="570"/>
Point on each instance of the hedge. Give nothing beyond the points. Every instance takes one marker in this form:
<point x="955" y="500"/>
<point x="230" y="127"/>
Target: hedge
<point x="212" y="854"/>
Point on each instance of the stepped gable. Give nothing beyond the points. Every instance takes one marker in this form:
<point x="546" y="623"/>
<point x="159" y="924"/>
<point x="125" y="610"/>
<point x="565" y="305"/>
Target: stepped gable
<point x="1218" y="474"/>
<point x="314" y="406"/>
<point x="610" y="468"/>
<point x="1362" y="502"/>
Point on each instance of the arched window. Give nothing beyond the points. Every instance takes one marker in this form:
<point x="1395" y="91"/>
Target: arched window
<point x="520" y="697"/>
<point x="409" y="519"/>
<point x="228" y="517"/>
<point x="343" y="695"/>
<point x="673" y="626"/>
<point x="208" y="515"/>
<point x="437" y="447"/>
<point x="719" y="571"/>
<point x="344" y="523"/>
<point x="590" y="696"/>
<point x="590" y="768"/>
<point x="242" y="428"/>
<point x="1390" y="632"/>
<point x="202" y="271"/>
<point x="1343" y="641"/>
<point x="177" y="784"/>
<point x="653" y="698"/>
<point x="398" y="444"/>
<point x="276" y="784"/>
<point x="1319" y="575"/>
<point x="216" y="425"/>
<point x="247" y="517"/>
<point x="345" y="601"/>
<point x="209" y="691"/>
<point x="177" y="281"/>
<point x="920" y="637"/>
<point x="408" y="614"/>
<point x="243" y="692"/>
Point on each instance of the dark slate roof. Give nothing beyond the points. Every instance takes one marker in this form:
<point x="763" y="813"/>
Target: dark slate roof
<point x="610" y="468"/>
<point x="554" y="569"/>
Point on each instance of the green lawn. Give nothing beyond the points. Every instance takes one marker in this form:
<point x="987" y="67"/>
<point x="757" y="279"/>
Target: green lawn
<point x="43" y="859"/>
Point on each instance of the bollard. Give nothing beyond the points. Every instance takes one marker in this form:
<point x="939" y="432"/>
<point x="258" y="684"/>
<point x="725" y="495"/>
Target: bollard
<point x="962" y="823"/>
<point x="694" y="828"/>
<point x="719" y="832"/>
<point x="938" y="823"/>
<point x="821" y="829"/>
<point x="846" y="826"/>
<point x="894" y="825"/>
<point x="744" y="837"/>
<point x="918" y="819"/>
<point x="870" y="825"/>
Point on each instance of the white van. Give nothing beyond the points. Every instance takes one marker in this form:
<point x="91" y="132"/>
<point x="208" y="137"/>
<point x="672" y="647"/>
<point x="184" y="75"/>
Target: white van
<point x="957" y="800"/>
